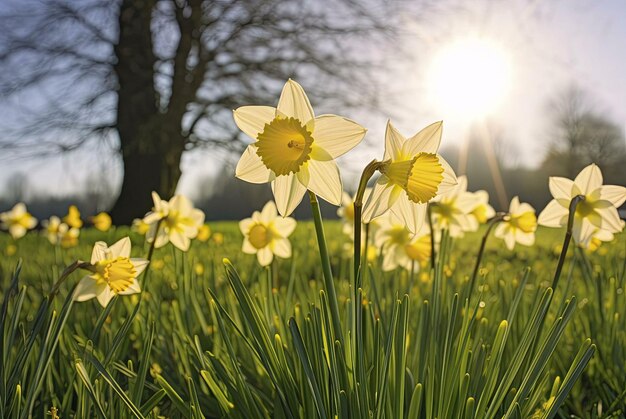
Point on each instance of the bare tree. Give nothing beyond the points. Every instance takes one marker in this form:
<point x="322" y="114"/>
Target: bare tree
<point x="16" y="187"/>
<point x="152" y="79"/>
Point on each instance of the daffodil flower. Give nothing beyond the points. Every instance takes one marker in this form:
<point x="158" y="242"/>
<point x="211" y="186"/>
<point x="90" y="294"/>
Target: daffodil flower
<point x="68" y="236"/>
<point x="597" y="212"/>
<point x="453" y="210"/>
<point x="400" y="246"/>
<point x="139" y="226"/>
<point x="412" y="173"/>
<point x="114" y="272"/>
<point x="204" y="233"/>
<point x="102" y="221"/>
<point x="51" y="228"/>
<point x="175" y="221"/>
<point x="265" y="234"/>
<point x="483" y="210"/>
<point x="17" y="221"/>
<point x="294" y="149"/>
<point x="518" y="226"/>
<point x="72" y="218"/>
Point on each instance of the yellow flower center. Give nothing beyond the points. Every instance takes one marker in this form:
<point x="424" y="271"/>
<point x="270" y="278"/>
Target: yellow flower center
<point x="398" y="235"/>
<point x="420" y="176"/>
<point x="527" y="222"/>
<point x="480" y="212"/>
<point x="118" y="273"/>
<point x="585" y="208"/>
<point x="259" y="236"/>
<point x="284" y="145"/>
<point x="445" y="209"/>
<point x="419" y="250"/>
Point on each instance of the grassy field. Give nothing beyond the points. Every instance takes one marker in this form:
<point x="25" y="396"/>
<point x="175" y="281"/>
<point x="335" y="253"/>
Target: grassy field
<point x="211" y="338"/>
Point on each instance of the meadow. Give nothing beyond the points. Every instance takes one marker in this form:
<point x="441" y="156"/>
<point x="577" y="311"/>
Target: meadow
<point x="209" y="339"/>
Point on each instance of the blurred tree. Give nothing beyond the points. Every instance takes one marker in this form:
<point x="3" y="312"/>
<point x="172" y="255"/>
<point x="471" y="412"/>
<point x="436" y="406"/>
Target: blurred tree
<point x="582" y="135"/>
<point x="16" y="187"/>
<point x="152" y="79"/>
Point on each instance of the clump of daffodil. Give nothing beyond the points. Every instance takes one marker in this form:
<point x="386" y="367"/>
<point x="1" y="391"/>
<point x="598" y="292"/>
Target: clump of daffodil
<point x="483" y="210"/>
<point x="139" y="226"/>
<point x="597" y="212"/>
<point x="400" y="247"/>
<point x="113" y="272"/>
<point x="204" y="233"/>
<point x="72" y="218"/>
<point x="101" y="221"/>
<point x="453" y="210"/>
<point x="17" y="221"/>
<point x="175" y="221"/>
<point x="293" y="149"/>
<point x="266" y="234"/>
<point x="518" y="225"/>
<point x="412" y="174"/>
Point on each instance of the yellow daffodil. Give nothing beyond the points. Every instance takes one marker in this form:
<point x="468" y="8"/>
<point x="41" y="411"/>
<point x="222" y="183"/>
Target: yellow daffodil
<point x="72" y="218"/>
<point x="294" y="149"/>
<point x="204" y="233"/>
<point x="399" y="246"/>
<point x="102" y="221"/>
<point x="52" y="229"/>
<point x="140" y="227"/>
<point x="597" y="212"/>
<point x="412" y="174"/>
<point x="68" y="237"/>
<point x="114" y="272"/>
<point x="218" y="238"/>
<point x="265" y="234"/>
<point x="453" y="210"/>
<point x="17" y="221"/>
<point x="175" y="220"/>
<point x="483" y="210"/>
<point x="518" y="226"/>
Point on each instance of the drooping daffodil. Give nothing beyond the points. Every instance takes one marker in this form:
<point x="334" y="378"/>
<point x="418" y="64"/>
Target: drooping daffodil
<point x="412" y="174"/>
<point x="266" y="234"/>
<point x="175" y="221"/>
<point x="519" y="225"/>
<point x="598" y="211"/>
<point x="293" y="149"/>
<point x="113" y="272"/>
<point x="17" y="221"/>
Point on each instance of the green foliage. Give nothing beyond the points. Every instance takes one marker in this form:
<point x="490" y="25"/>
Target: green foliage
<point x="211" y="339"/>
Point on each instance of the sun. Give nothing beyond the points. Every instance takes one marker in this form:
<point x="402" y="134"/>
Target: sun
<point x="470" y="77"/>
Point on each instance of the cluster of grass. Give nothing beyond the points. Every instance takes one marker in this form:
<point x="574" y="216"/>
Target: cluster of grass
<point x="210" y="337"/>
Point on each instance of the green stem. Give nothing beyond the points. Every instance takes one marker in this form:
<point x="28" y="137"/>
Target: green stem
<point x="153" y="244"/>
<point x="429" y="215"/>
<point x="66" y="273"/>
<point x="568" y="236"/>
<point x="498" y="218"/>
<point x="329" y="284"/>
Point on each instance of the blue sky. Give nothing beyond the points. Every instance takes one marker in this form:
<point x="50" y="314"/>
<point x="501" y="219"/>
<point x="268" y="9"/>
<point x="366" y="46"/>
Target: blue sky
<point x="549" y="44"/>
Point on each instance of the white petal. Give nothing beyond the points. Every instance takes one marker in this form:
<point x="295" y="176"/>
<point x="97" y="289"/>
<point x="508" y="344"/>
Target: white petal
<point x="251" y="168"/>
<point x="379" y="200"/>
<point x="179" y="240"/>
<point x="325" y="180"/>
<point x="425" y="141"/>
<point x="553" y="215"/>
<point x="99" y="252"/>
<point x="247" y="247"/>
<point x="449" y="177"/>
<point x="245" y="224"/>
<point x="337" y="135"/>
<point x="288" y="193"/>
<point x="526" y="239"/>
<point x="294" y="103"/>
<point x="140" y="265"/>
<point x="501" y="230"/>
<point x="86" y="289"/>
<point x="105" y="294"/>
<point x="412" y="214"/>
<point x="610" y="219"/>
<point x="265" y="256"/>
<point x="252" y="119"/>
<point x="17" y="231"/>
<point x="285" y="226"/>
<point x="182" y="204"/>
<point x="393" y="142"/>
<point x="133" y="288"/>
<point x="269" y="212"/>
<point x="589" y="179"/>
<point x="509" y="240"/>
<point x="282" y="248"/>
<point x="121" y="248"/>
<point x="560" y="187"/>
<point x="615" y="194"/>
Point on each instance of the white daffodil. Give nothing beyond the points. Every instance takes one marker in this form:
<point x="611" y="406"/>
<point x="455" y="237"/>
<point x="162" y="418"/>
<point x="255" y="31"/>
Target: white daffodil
<point x="412" y="174"/>
<point x="597" y="212"/>
<point x="483" y="210"/>
<point x="175" y="221"/>
<point x="597" y="238"/>
<point x="399" y="246"/>
<point x="52" y="229"/>
<point x="518" y="226"/>
<point x="68" y="236"/>
<point x="265" y="234"/>
<point x="17" y="221"/>
<point x="294" y="149"/>
<point x="453" y="210"/>
<point x="114" y="272"/>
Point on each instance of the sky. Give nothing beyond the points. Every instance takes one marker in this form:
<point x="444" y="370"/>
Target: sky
<point x="547" y="45"/>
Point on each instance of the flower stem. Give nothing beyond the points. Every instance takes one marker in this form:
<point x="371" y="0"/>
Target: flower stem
<point x="329" y="284"/>
<point x="568" y="236"/>
<point x="429" y="215"/>
<point x="498" y="218"/>
<point x="66" y="273"/>
<point x="153" y="244"/>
